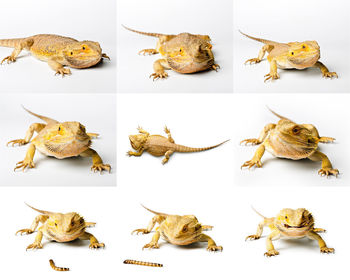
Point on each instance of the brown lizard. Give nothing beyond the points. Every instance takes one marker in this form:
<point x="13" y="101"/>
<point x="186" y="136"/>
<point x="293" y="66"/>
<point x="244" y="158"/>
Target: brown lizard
<point x="286" y="139"/>
<point x="290" y="224"/>
<point x="294" y="55"/>
<point x="177" y="230"/>
<point x="57" y="51"/>
<point x="60" y="228"/>
<point x="183" y="53"/>
<point x="158" y="145"/>
<point x="60" y="140"/>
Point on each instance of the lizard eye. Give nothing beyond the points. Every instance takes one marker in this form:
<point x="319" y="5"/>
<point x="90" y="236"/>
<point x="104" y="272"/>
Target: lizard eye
<point x="55" y="224"/>
<point x="292" y="53"/>
<point x="185" y="228"/>
<point x="83" y="48"/>
<point x="71" y="53"/>
<point x="72" y="223"/>
<point x="304" y="47"/>
<point x="295" y="130"/>
<point x="59" y="128"/>
<point x="286" y="217"/>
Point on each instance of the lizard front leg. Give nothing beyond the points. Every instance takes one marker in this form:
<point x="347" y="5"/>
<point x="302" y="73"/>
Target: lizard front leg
<point x="136" y="154"/>
<point x="158" y="67"/>
<point x="154" y="243"/>
<point x="274" y="235"/>
<point x="211" y="243"/>
<point x="97" y="163"/>
<point x="260" y="229"/>
<point x="150" y="226"/>
<point x="321" y="243"/>
<point x="37" y="243"/>
<point x="326" y="167"/>
<point x="263" y="50"/>
<point x="273" y="75"/>
<point x="38" y="219"/>
<point x="148" y="51"/>
<point x="27" y="43"/>
<point x="262" y="136"/>
<point x="325" y="71"/>
<point x="167" y="156"/>
<point x="94" y="244"/>
<point x="142" y="131"/>
<point x="58" y="67"/>
<point x="37" y="127"/>
<point x="28" y="160"/>
<point x="256" y="160"/>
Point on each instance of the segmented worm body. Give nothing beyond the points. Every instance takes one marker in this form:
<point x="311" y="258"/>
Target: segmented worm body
<point x="54" y="267"/>
<point x="143" y="263"/>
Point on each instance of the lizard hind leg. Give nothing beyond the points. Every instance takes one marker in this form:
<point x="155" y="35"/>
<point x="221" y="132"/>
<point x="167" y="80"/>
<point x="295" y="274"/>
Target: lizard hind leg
<point x="19" y="46"/>
<point x="159" y="66"/>
<point x="167" y="156"/>
<point x="170" y="138"/>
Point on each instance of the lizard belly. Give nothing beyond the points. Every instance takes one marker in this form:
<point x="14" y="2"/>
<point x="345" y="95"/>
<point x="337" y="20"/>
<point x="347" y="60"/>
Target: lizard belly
<point x="177" y="241"/>
<point x="60" y="237"/>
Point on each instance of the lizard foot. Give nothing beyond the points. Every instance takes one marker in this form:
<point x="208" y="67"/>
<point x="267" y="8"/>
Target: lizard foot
<point x="140" y="230"/>
<point x="252" y="237"/>
<point x="9" y="59"/>
<point x="63" y="71"/>
<point x="100" y="167"/>
<point x="271" y="253"/>
<point x="319" y="230"/>
<point x="251" y="163"/>
<point x="25" y="231"/>
<point x="165" y="160"/>
<point x="105" y="56"/>
<point x="148" y="51"/>
<point x="213" y="248"/>
<point x="272" y="76"/>
<point x="253" y="61"/>
<point x="326" y="139"/>
<point x="330" y="75"/>
<point x="161" y="75"/>
<point x="327" y="250"/>
<point x="24" y="164"/>
<point x="252" y="141"/>
<point x="151" y="245"/>
<point x="34" y="246"/>
<point x="20" y="142"/>
<point x="96" y="245"/>
<point x="215" y="67"/>
<point x="328" y="171"/>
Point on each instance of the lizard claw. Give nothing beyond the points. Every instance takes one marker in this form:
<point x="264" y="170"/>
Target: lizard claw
<point x="24" y="231"/>
<point x="271" y="253"/>
<point x="156" y="76"/>
<point x="9" y="59"/>
<point x="253" y="61"/>
<point x="213" y="248"/>
<point x="105" y="56"/>
<point x="251" y="163"/>
<point x="166" y="130"/>
<point x="328" y="171"/>
<point x="215" y="67"/>
<point x="272" y="76"/>
<point x="140" y="230"/>
<point x="63" y="71"/>
<point x="20" y="142"/>
<point x="327" y="250"/>
<point x="252" y="237"/>
<point x="34" y="246"/>
<point x="252" y="141"/>
<point x="330" y="75"/>
<point x="96" y="245"/>
<point x="151" y="245"/>
<point x="24" y="164"/>
<point x="100" y="167"/>
<point x="148" y="51"/>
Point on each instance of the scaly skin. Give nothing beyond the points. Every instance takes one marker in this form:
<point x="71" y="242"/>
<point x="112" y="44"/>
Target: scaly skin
<point x="294" y="55"/>
<point x="290" y="224"/>
<point x="177" y="230"/>
<point x="57" y="51"/>
<point x="60" y="140"/>
<point x="286" y="139"/>
<point x="183" y="53"/>
<point x="158" y="145"/>
<point x="60" y="228"/>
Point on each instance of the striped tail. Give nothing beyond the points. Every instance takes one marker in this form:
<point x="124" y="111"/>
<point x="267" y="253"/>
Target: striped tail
<point x="54" y="267"/>
<point x="143" y="263"/>
<point x="11" y="43"/>
<point x="184" y="149"/>
<point x="144" y="33"/>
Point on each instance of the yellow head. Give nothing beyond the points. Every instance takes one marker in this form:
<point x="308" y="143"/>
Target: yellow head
<point x="83" y="54"/>
<point x="294" y="222"/>
<point x="304" y="54"/>
<point x="137" y="140"/>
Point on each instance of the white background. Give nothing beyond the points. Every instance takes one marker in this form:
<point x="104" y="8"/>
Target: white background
<point x="181" y="16"/>
<point x="96" y="112"/>
<point x="79" y="19"/>
<point x="284" y="22"/>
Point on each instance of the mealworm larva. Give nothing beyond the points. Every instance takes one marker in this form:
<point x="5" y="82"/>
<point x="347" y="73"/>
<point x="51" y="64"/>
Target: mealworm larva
<point x="143" y="263"/>
<point x="54" y="267"/>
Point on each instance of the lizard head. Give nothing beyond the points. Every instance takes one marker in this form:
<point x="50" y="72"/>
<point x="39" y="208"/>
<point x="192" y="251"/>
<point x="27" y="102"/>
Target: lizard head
<point x="304" y="54"/>
<point x="181" y="230"/>
<point x="294" y="222"/>
<point x="66" y="139"/>
<point x="137" y="140"/>
<point x="65" y="227"/>
<point x="83" y="54"/>
<point x="188" y="53"/>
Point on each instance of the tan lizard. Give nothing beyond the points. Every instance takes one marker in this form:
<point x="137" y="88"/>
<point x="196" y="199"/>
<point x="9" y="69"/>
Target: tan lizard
<point x="183" y="53"/>
<point x="290" y="224"/>
<point x="286" y="139"/>
<point x="57" y="51"/>
<point x="60" y="140"/>
<point x="177" y="230"/>
<point x="294" y="55"/>
<point x="158" y="145"/>
<point x="60" y="228"/>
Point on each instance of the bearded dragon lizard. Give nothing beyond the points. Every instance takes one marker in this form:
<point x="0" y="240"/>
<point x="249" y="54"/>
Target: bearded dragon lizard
<point x="286" y="139"/>
<point x="294" y="55"/>
<point x="60" y="140"/>
<point x="183" y="53"/>
<point x="290" y="224"/>
<point x="57" y="51"/>
<point x="60" y="228"/>
<point x="177" y="230"/>
<point x="158" y="145"/>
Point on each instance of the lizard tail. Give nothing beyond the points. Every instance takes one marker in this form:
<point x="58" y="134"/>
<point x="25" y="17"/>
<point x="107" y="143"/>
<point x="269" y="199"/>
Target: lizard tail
<point x="185" y="149"/>
<point x="154" y="212"/>
<point x="40" y="211"/>
<point x="45" y="119"/>
<point x="258" y="213"/>
<point x="11" y="43"/>
<point x="264" y="41"/>
<point x="144" y="33"/>
<point x="277" y="115"/>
